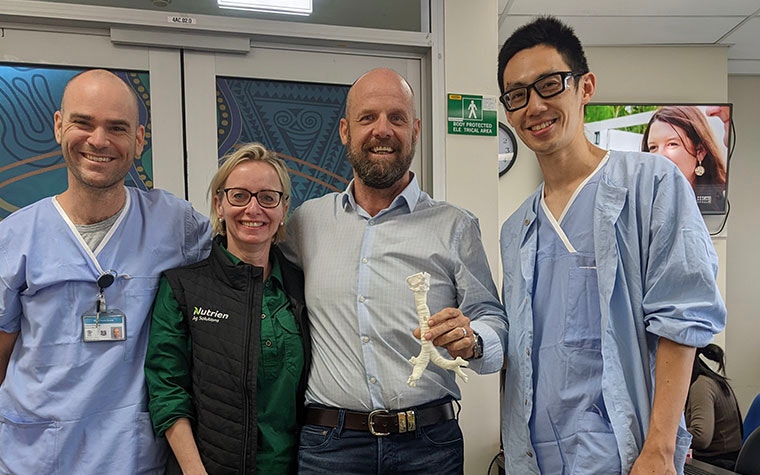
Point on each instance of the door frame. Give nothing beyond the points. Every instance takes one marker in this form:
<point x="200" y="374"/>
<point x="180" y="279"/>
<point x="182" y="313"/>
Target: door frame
<point x="157" y="30"/>
<point x="87" y="48"/>
<point x="269" y="63"/>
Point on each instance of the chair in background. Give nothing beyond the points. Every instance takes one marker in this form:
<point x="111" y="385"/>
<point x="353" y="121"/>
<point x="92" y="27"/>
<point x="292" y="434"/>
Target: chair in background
<point x="748" y="461"/>
<point x="752" y="419"/>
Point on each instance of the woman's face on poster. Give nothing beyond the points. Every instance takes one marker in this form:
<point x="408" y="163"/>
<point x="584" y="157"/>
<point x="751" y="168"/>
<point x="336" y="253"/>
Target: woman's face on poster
<point x="672" y="142"/>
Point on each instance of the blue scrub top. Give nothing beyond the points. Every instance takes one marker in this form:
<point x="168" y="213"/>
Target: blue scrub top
<point x="569" y="422"/>
<point x="72" y="407"/>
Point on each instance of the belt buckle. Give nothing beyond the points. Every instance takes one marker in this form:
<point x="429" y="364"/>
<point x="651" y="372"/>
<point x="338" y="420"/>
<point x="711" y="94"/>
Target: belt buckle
<point x="407" y="421"/>
<point x="371" y="422"/>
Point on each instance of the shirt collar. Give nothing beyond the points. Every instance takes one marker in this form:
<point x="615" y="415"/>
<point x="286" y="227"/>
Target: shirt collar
<point x="275" y="274"/>
<point x="410" y="195"/>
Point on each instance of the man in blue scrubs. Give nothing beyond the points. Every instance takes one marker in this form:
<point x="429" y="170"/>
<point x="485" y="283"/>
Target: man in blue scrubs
<point x="609" y="282"/>
<point x="78" y="273"/>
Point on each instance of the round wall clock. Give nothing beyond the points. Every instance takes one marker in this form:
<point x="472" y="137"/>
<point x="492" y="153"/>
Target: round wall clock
<point x="507" y="148"/>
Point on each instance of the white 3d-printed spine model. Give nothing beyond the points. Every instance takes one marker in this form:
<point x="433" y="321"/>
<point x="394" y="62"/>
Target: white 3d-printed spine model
<point x="419" y="283"/>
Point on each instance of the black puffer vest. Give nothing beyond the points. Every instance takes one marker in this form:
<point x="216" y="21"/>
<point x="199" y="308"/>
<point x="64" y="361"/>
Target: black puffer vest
<point x="221" y="303"/>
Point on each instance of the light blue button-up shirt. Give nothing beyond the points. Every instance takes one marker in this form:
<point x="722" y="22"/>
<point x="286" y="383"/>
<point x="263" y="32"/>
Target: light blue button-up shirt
<point x="656" y="268"/>
<point x="362" y="313"/>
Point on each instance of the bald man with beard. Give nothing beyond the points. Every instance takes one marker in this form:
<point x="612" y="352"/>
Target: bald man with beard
<point x="356" y="249"/>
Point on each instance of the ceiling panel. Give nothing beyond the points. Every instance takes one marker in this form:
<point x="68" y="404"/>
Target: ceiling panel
<point x="601" y="31"/>
<point x="744" y="67"/>
<point x="745" y="41"/>
<point x="734" y="23"/>
<point x="634" y="8"/>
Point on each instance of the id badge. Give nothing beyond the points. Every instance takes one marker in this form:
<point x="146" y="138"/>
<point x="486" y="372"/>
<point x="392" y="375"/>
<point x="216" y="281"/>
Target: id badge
<point x="110" y="325"/>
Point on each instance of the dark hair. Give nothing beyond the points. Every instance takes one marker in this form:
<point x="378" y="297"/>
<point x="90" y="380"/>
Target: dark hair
<point x="545" y="30"/>
<point x="713" y="353"/>
<point x="694" y="123"/>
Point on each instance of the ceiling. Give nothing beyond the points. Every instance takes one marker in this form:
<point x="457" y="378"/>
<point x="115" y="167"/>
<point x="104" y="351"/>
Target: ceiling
<point x="731" y="23"/>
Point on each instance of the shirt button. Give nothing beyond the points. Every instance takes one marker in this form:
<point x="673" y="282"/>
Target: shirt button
<point x="268" y="343"/>
<point x="529" y="453"/>
<point x="371" y="222"/>
<point x="263" y="316"/>
<point x="526" y="402"/>
<point x="365" y="260"/>
<point x="373" y="380"/>
<point x="526" y="222"/>
<point x="527" y="351"/>
<point x="362" y="299"/>
<point x="365" y="339"/>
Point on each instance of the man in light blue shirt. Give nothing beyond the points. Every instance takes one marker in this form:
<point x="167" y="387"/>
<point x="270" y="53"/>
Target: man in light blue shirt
<point x="356" y="249"/>
<point x="609" y="282"/>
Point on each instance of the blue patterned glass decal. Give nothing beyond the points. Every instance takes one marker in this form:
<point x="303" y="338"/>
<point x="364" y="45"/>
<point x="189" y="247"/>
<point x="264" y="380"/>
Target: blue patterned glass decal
<point x="297" y="120"/>
<point x="31" y="164"/>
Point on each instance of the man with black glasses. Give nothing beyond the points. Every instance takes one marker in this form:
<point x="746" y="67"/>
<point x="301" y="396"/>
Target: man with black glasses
<point x="620" y="271"/>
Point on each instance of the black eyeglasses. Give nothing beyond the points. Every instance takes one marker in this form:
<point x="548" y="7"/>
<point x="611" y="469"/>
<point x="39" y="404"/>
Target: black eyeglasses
<point x="546" y="86"/>
<point x="241" y="197"/>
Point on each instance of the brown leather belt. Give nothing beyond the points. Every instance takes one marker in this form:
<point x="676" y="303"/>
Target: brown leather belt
<point x="381" y="422"/>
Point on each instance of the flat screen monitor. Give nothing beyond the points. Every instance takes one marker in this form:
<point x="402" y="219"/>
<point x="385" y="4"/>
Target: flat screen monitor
<point x="697" y="137"/>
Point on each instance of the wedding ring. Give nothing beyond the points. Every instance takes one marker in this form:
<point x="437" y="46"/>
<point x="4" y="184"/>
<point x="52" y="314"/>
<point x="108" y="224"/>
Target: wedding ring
<point x="464" y="332"/>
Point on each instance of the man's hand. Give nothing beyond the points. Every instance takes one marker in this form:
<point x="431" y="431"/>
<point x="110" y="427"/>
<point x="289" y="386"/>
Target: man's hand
<point x="653" y="463"/>
<point x="450" y="329"/>
<point x="672" y="375"/>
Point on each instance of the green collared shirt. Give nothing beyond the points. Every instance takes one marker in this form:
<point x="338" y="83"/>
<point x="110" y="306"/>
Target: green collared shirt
<point x="280" y="365"/>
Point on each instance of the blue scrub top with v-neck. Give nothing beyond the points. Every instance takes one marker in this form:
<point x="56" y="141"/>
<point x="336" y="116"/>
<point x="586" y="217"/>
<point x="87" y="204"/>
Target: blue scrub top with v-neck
<point x="569" y="427"/>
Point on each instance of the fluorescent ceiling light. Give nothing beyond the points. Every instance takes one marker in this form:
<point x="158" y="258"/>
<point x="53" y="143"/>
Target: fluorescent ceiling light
<point x="290" y="7"/>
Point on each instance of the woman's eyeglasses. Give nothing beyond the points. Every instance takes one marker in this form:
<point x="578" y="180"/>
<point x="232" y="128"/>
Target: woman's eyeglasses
<point x="241" y="197"/>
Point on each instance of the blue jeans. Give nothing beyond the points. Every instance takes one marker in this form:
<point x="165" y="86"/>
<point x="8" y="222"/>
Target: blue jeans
<point x="437" y="448"/>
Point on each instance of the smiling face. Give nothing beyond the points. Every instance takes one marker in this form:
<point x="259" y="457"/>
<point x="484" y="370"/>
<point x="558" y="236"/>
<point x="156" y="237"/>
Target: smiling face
<point x="98" y="130"/>
<point x="250" y="228"/>
<point x="550" y="125"/>
<point x="380" y="129"/>
<point x="672" y="142"/>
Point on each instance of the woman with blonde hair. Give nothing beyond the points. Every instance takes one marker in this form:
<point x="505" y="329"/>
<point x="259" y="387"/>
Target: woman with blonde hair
<point x="229" y="349"/>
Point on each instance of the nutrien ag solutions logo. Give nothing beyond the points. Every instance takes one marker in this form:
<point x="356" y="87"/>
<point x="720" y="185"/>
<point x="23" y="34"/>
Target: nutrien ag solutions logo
<point x="206" y="315"/>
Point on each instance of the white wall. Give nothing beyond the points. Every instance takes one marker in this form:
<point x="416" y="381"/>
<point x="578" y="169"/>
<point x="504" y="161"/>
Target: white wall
<point x="743" y="257"/>
<point x="470" y="49"/>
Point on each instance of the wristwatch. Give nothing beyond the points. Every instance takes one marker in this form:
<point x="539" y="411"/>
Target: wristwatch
<point x="477" y="350"/>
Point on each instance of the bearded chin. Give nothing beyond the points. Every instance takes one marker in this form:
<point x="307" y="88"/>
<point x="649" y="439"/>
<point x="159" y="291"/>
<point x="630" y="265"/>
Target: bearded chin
<point x="380" y="175"/>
